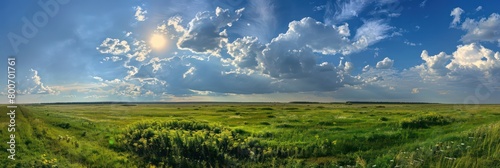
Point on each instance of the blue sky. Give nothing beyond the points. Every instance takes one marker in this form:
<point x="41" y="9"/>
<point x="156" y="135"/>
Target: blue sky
<point x="236" y="50"/>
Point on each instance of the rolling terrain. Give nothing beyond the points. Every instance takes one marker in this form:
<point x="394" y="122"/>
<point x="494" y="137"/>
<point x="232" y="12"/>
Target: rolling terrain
<point x="254" y="135"/>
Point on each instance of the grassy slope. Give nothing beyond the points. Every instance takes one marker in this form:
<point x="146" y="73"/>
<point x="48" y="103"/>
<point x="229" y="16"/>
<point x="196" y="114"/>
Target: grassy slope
<point x="361" y="137"/>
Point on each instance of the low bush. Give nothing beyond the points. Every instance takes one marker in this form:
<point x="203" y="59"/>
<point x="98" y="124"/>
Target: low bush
<point x="265" y="123"/>
<point x="426" y="121"/>
<point x="384" y="119"/>
<point x="188" y="144"/>
<point x="64" y="125"/>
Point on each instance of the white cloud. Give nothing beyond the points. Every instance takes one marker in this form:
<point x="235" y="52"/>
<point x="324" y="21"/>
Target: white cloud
<point x="456" y="16"/>
<point x="140" y="14"/>
<point x="435" y="65"/>
<point x="332" y="40"/>
<point x="189" y="72"/>
<point x="479" y="8"/>
<point x="204" y="33"/>
<point x="113" y="58"/>
<point x="95" y="97"/>
<point x="319" y="8"/>
<point x="394" y="14"/>
<point x="98" y="78"/>
<point x="415" y="91"/>
<point x="486" y="29"/>
<point x="291" y="54"/>
<point x="114" y="46"/>
<point x="348" y="67"/>
<point x="471" y="71"/>
<point x="370" y="33"/>
<point x="318" y="36"/>
<point x="344" y="10"/>
<point x="245" y="52"/>
<point x="476" y="57"/>
<point x="411" y="43"/>
<point x="34" y="85"/>
<point x="422" y="4"/>
<point x="176" y="23"/>
<point x="128" y="34"/>
<point x="386" y="63"/>
<point x="366" y="68"/>
<point x="141" y="50"/>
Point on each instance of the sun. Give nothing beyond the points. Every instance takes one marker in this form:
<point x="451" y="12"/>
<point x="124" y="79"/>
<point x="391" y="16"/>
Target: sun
<point x="158" y="41"/>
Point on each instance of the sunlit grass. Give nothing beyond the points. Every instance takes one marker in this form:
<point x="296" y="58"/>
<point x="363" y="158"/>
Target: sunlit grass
<point x="300" y="135"/>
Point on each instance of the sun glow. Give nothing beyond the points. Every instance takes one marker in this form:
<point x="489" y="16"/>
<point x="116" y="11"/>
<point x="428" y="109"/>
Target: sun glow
<point x="158" y="41"/>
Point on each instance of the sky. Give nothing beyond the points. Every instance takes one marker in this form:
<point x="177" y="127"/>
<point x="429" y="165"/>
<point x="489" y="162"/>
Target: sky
<point x="252" y="51"/>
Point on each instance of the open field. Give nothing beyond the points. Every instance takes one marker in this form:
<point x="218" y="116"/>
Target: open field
<point x="254" y="135"/>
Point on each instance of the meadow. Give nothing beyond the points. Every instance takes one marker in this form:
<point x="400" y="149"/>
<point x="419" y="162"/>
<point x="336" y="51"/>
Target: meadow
<point x="253" y="135"/>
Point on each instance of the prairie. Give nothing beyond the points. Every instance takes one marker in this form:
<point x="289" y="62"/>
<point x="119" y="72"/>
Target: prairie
<point x="254" y="135"/>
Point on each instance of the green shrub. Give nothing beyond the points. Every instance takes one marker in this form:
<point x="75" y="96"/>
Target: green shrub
<point x="265" y="123"/>
<point x="284" y="126"/>
<point x="326" y="123"/>
<point x="188" y="144"/>
<point x="384" y="119"/>
<point x="426" y="121"/>
<point x="64" y="125"/>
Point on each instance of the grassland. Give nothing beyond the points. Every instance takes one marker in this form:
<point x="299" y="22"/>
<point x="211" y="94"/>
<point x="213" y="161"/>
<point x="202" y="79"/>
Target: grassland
<point x="254" y="135"/>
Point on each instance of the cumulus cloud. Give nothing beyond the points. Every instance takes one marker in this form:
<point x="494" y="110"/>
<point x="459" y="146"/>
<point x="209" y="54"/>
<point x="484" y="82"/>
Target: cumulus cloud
<point x="114" y="46"/>
<point x="204" y="34"/>
<point x="471" y="60"/>
<point x="456" y="16"/>
<point x="245" y="52"/>
<point x="474" y="56"/>
<point x="140" y="14"/>
<point x="34" y="85"/>
<point x="317" y="36"/>
<point x="348" y="67"/>
<point x="292" y="54"/>
<point x="386" y="63"/>
<point x="436" y="64"/>
<point x="141" y="50"/>
<point x="468" y="74"/>
<point x="333" y="40"/>
<point x="175" y="22"/>
<point x="288" y="63"/>
<point x="485" y="29"/>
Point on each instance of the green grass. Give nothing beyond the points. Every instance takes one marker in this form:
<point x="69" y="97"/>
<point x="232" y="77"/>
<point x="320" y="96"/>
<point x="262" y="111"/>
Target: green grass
<point x="254" y="135"/>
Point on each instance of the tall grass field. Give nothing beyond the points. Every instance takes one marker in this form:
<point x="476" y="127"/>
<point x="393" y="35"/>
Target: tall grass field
<point x="253" y="135"/>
